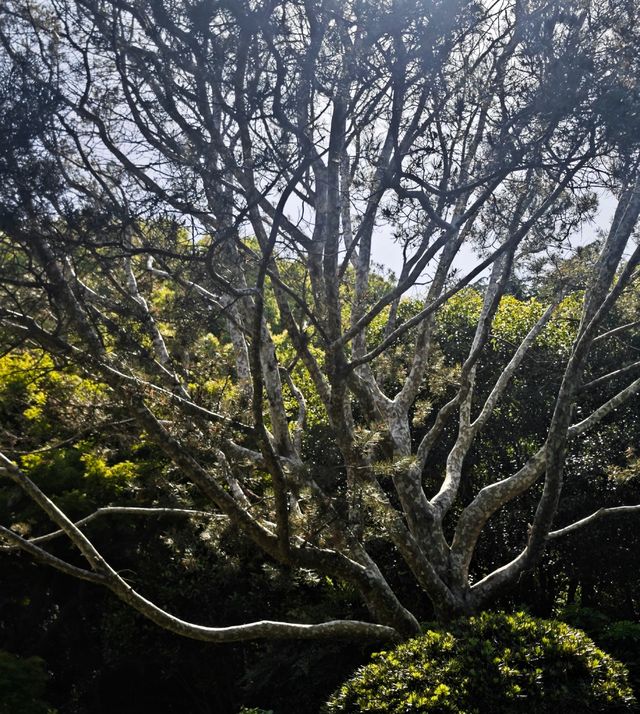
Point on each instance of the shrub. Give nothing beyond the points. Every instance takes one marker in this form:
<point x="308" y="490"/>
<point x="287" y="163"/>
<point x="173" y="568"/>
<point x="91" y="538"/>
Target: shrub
<point x="498" y="663"/>
<point x="621" y="637"/>
<point x="22" y="685"/>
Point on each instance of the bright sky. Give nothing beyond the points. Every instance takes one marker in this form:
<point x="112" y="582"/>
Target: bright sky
<point x="387" y="253"/>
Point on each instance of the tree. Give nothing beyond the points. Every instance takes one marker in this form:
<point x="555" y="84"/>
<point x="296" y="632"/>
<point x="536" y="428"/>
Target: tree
<point x="212" y="177"/>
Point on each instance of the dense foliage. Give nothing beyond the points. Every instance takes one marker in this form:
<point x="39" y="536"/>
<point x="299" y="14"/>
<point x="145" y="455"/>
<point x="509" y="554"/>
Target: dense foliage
<point x="195" y="566"/>
<point x="219" y="422"/>
<point x="22" y="685"/>
<point x="504" y="664"/>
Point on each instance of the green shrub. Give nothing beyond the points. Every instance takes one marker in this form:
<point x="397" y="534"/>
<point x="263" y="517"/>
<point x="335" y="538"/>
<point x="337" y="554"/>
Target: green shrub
<point x="22" y="685"/>
<point x="621" y="637"/>
<point x="592" y="621"/>
<point x="497" y="663"/>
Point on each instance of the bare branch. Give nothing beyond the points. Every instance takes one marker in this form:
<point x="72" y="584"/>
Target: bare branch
<point x="127" y="511"/>
<point x="42" y="556"/>
<point x="596" y="516"/>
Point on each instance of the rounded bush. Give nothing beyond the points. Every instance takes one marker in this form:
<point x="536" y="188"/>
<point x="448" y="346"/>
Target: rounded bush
<point x="494" y="662"/>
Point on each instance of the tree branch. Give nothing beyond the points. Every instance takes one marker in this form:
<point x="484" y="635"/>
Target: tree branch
<point x="596" y="516"/>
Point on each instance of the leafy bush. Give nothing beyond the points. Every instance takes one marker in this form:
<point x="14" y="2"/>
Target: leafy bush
<point x="621" y="638"/>
<point x="22" y="685"/>
<point x="498" y="663"/>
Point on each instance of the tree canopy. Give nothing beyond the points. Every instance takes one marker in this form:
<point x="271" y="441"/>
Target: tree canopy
<point x="191" y="195"/>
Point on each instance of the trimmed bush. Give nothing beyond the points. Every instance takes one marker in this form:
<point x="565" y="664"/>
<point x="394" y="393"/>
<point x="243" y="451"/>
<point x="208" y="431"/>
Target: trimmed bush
<point x="493" y="663"/>
<point x="620" y="637"/>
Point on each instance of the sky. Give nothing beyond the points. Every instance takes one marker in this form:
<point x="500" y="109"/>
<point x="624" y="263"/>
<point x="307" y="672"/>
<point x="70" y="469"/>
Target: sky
<point x="389" y="254"/>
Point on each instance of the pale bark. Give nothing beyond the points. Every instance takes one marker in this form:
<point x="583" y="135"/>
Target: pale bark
<point x="103" y="574"/>
<point x="126" y="511"/>
<point x="588" y="520"/>
<point x="352" y="129"/>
